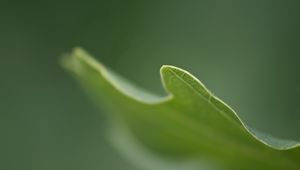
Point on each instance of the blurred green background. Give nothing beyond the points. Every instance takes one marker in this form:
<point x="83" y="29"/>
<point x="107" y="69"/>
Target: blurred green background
<point x="246" y="52"/>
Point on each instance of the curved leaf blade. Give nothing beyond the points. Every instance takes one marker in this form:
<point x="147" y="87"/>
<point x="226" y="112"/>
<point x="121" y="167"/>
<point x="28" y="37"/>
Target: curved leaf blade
<point x="190" y="122"/>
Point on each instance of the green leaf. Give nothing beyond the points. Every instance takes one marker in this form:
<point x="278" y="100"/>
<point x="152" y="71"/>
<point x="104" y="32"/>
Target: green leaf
<point x="188" y="124"/>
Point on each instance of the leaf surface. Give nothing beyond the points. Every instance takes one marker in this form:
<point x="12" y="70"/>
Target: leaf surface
<point x="189" y="123"/>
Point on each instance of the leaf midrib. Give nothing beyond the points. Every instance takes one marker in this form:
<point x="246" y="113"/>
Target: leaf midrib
<point x="243" y="147"/>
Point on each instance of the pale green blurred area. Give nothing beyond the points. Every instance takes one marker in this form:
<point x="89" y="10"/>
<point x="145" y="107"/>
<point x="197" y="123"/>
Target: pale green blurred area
<point x="246" y="52"/>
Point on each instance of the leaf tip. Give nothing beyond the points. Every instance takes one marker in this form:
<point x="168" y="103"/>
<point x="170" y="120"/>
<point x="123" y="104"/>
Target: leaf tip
<point x="67" y="59"/>
<point x="165" y="72"/>
<point x="166" y="69"/>
<point x="172" y="79"/>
